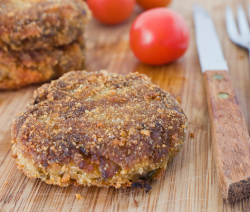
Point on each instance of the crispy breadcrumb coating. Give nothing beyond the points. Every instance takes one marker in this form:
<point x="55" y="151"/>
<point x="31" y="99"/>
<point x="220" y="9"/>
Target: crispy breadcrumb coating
<point x="41" y="24"/>
<point x="98" y="129"/>
<point x="18" y="69"/>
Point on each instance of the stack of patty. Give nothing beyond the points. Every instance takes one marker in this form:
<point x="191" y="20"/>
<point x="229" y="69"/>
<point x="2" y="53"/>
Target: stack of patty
<point x="40" y="40"/>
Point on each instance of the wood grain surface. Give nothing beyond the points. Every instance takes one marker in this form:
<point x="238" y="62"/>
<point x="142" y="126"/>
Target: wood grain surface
<point x="230" y="137"/>
<point x="190" y="183"/>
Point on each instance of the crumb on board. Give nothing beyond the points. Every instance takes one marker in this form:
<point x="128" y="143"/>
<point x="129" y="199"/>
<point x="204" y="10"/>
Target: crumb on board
<point x="192" y="135"/>
<point x="240" y="56"/>
<point x="135" y="203"/>
<point x="78" y="196"/>
<point x="6" y="183"/>
<point x="178" y="98"/>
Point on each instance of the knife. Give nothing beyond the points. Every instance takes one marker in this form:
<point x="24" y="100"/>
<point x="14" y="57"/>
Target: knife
<point x="230" y="138"/>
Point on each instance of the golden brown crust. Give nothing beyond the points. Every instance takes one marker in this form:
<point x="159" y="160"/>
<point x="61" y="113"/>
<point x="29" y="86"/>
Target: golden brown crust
<point x="18" y="69"/>
<point x="41" y="24"/>
<point x="114" y="129"/>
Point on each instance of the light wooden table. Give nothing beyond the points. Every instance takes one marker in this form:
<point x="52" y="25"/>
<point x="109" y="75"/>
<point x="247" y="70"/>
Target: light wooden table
<point x="190" y="183"/>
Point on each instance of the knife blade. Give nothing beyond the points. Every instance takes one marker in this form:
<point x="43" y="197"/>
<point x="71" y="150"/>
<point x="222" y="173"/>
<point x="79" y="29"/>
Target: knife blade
<point x="208" y="44"/>
<point x="230" y="138"/>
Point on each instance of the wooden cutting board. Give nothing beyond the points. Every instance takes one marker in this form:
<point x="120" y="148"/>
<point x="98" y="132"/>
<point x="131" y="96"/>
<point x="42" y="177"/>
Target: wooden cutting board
<point x="190" y="183"/>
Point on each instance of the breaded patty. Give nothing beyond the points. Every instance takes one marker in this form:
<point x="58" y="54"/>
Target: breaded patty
<point x="41" y="24"/>
<point x="98" y="129"/>
<point x="18" y="69"/>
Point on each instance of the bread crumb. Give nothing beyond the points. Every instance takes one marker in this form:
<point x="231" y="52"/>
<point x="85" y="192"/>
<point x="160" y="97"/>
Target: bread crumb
<point x="118" y="185"/>
<point x="6" y="183"/>
<point x="160" y="110"/>
<point x="178" y="98"/>
<point x="78" y="196"/>
<point x="192" y="135"/>
<point x="145" y="132"/>
<point x="240" y="56"/>
<point x="119" y="142"/>
<point x="65" y="178"/>
<point x="134" y="142"/>
<point x="136" y="203"/>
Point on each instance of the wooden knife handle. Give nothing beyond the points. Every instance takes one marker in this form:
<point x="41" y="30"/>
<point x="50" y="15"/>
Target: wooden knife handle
<point x="230" y="136"/>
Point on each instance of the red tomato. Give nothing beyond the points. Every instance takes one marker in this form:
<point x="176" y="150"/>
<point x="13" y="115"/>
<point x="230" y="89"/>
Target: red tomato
<point x="159" y="36"/>
<point x="149" y="4"/>
<point x="111" y="11"/>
